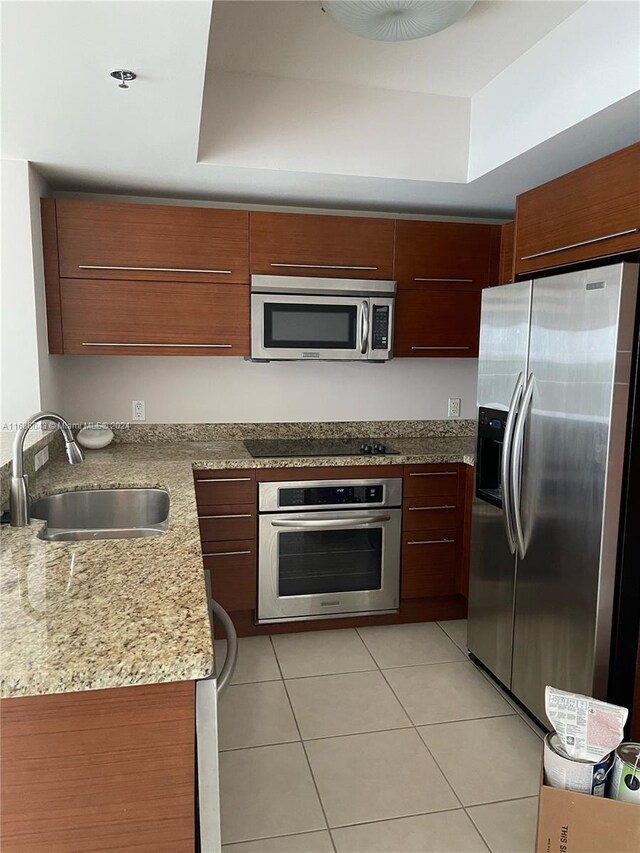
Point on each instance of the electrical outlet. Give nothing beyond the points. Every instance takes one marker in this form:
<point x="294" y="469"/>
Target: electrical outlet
<point x="138" y="408"/>
<point x="454" y="407"/>
<point x="41" y="458"/>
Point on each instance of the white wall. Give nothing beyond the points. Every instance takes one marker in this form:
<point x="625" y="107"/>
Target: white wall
<point x="584" y="65"/>
<point x="19" y="371"/>
<point x="219" y="390"/>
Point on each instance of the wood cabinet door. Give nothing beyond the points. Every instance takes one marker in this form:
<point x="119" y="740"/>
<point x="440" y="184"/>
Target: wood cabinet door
<point x="433" y="254"/>
<point x="112" y="240"/>
<point x="442" y="323"/>
<point x="430" y="563"/>
<point x="506" y="253"/>
<point x="589" y="213"/>
<point x="154" y="318"/>
<point x="322" y="246"/>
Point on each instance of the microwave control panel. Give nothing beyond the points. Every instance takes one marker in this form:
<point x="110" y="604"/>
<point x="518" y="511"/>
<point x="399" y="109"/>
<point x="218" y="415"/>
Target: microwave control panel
<point x="380" y="334"/>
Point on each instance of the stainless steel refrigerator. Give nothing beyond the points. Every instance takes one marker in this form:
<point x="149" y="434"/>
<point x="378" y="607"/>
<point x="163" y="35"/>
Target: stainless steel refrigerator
<point x="557" y="377"/>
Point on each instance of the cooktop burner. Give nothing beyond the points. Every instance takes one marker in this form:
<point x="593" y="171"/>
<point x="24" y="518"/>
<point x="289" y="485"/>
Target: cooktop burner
<point x="265" y="447"/>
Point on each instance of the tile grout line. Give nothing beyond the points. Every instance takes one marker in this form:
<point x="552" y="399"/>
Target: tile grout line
<point x="304" y="749"/>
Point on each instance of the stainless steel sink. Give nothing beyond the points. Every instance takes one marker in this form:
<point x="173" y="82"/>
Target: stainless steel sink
<point x="103" y="514"/>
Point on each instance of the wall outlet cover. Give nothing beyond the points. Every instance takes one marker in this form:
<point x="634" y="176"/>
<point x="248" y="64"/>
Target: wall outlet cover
<point x="454" y="407"/>
<point x="138" y="410"/>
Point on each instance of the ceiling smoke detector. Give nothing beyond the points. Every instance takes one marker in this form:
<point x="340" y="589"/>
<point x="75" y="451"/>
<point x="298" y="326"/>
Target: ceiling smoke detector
<point x="124" y="76"/>
<point x="395" y="20"/>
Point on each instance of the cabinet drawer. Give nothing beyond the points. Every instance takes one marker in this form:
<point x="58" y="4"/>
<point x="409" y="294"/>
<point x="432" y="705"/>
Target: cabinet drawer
<point x="430" y="513"/>
<point x="430" y="564"/>
<point x="225" y="487"/>
<point x="113" y="240"/>
<point x="586" y="214"/>
<point x="430" y="480"/>
<point x="154" y="318"/>
<point x="437" y="323"/>
<point x="232" y="566"/>
<point x="219" y="523"/>
<point x="325" y="246"/>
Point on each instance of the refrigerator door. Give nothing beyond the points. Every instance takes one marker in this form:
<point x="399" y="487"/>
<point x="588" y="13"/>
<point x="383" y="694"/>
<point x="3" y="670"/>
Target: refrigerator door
<point x="572" y="462"/>
<point x="504" y="341"/>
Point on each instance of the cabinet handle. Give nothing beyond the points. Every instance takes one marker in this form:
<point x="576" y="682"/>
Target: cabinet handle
<point x="440" y="347"/>
<point x="150" y="269"/>
<point x="235" y="515"/>
<point x="434" y="474"/>
<point x="226" y="553"/>
<point x="581" y="243"/>
<point x="172" y="346"/>
<point x="224" y="479"/>
<point x="430" y="541"/>
<point x="420" y="508"/>
<point x="322" y="267"/>
<point x="444" y="279"/>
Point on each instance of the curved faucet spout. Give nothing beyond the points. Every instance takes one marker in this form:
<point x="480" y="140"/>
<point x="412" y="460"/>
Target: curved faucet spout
<point x="19" y="496"/>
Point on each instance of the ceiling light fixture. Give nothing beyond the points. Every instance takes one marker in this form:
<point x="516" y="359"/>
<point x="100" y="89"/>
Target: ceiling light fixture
<point x="124" y="76"/>
<point x="395" y="20"/>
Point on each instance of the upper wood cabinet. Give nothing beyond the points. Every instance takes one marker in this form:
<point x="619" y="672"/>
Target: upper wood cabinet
<point x="113" y="240"/>
<point x="437" y="323"/>
<point x="153" y="318"/>
<point x="446" y="253"/>
<point x="589" y="213"/>
<point x="325" y="246"/>
<point x="507" y="233"/>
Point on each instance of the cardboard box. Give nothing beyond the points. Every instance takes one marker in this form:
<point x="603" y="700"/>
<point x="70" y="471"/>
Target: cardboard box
<point x="578" y="823"/>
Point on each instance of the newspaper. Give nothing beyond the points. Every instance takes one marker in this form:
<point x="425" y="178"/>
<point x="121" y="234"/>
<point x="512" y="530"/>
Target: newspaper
<point x="588" y="729"/>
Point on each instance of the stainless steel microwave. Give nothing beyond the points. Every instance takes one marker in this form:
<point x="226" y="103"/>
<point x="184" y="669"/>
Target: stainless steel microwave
<point x="321" y="319"/>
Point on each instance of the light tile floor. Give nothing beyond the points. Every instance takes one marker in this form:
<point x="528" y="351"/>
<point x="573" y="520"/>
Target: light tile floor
<point x="376" y="740"/>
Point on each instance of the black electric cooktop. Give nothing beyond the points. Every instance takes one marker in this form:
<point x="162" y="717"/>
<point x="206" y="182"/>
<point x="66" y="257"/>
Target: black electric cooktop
<point x="265" y="447"/>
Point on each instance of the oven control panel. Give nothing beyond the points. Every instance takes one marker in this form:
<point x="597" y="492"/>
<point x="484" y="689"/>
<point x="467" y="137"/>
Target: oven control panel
<point x="330" y="495"/>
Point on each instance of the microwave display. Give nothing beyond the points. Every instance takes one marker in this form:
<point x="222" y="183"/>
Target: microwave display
<point x="311" y="326"/>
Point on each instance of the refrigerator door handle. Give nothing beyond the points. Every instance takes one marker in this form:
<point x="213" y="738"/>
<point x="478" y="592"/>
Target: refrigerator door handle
<point x="505" y="473"/>
<point x="516" y="464"/>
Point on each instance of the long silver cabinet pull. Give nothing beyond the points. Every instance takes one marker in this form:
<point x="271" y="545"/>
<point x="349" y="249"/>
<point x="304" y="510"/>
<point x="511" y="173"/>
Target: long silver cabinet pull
<point x="581" y="243"/>
<point x="364" y="340"/>
<point x="150" y="269"/>
<point x="434" y="474"/>
<point x="507" y="503"/>
<point x="224" y="479"/>
<point x="443" y="279"/>
<point x="516" y="464"/>
<point x="440" y="347"/>
<point x="331" y="524"/>
<point x="225" y="553"/>
<point x="236" y="515"/>
<point x="172" y="346"/>
<point x="430" y="541"/>
<point x="321" y="267"/>
<point x="417" y="508"/>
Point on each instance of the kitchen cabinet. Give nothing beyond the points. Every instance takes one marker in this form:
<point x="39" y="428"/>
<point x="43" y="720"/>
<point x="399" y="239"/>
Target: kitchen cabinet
<point x="446" y="254"/>
<point x="151" y="242"/>
<point x="326" y="246"/>
<point x="99" y="769"/>
<point x="507" y="235"/>
<point x="108" y="317"/>
<point x="590" y="213"/>
<point x="441" y="322"/>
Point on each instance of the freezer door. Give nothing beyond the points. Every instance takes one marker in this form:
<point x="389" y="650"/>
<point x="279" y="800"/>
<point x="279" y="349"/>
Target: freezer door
<point x="504" y="336"/>
<point x="573" y="449"/>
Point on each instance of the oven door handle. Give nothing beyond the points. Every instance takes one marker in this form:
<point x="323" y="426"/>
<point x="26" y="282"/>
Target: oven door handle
<point x="330" y="523"/>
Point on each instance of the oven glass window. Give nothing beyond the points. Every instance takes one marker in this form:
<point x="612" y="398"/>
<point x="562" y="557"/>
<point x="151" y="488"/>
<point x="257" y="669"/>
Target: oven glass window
<point x="327" y="561"/>
<point x="314" y="326"/>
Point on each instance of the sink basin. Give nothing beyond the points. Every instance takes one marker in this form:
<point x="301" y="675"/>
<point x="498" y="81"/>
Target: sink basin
<point x="103" y="514"/>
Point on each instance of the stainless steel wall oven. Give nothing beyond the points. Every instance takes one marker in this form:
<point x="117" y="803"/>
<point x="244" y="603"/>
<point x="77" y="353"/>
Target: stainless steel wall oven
<point x="328" y="548"/>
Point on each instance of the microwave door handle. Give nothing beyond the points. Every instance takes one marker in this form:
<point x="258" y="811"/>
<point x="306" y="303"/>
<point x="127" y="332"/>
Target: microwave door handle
<point x="505" y="472"/>
<point x="364" y="327"/>
<point x="516" y="464"/>
<point x="330" y="523"/>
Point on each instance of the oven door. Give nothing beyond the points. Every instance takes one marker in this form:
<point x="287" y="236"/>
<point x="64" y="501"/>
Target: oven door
<point x="313" y="565"/>
<point x="309" y="327"/>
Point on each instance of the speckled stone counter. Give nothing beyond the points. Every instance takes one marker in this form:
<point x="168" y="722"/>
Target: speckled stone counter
<point x="112" y="613"/>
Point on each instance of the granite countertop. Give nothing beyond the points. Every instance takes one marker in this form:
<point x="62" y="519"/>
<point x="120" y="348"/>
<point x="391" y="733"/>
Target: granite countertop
<point x="114" y="613"/>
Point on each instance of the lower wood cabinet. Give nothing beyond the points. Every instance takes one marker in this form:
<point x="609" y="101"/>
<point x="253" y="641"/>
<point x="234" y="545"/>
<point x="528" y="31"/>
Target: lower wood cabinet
<point x="437" y="322"/>
<point x="430" y="563"/>
<point x="99" y="770"/>
<point x="232" y="570"/>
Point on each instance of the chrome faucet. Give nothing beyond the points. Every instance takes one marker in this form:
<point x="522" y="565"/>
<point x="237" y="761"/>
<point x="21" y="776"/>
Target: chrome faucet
<point x="19" y="495"/>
